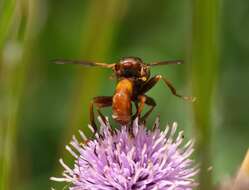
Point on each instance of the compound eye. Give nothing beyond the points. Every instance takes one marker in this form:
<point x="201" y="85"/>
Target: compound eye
<point x="117" y="69"/>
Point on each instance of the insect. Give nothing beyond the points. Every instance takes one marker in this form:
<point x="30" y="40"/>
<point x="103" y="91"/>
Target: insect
<point x="133" y="81"/>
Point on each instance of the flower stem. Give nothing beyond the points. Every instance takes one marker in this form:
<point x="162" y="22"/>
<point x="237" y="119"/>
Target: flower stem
<point x="204" y="65"/>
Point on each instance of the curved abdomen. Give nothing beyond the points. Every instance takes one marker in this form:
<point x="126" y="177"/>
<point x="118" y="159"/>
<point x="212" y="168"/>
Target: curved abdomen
<point x="121" y="102"/>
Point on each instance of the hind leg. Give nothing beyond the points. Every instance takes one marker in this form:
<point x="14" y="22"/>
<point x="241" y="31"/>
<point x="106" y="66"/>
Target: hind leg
<point x="99" y="102"/>
<point x="139" y="103"/>
<point x="142" y="100"/>
<point x="150" y="102"/>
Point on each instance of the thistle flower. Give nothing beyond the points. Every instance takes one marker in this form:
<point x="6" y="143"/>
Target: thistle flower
<point x="117" y="160"/>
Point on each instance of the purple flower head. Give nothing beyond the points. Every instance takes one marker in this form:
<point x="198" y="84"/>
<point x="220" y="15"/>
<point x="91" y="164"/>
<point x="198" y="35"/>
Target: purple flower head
<point x="117" y="160"/>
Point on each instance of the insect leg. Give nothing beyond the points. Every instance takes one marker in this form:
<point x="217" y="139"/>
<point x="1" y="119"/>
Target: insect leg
<point x="99" y="102"/>
<point x="152" y="82"/>
<point x="151" y="102"/>
<point x="142" y="100"/>
<point x="135" y="114"/>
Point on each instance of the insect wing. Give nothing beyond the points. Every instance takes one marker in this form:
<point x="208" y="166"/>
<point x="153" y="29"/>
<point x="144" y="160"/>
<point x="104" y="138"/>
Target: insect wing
<point x="84" y="63"/>
<point x="166" y="62"/>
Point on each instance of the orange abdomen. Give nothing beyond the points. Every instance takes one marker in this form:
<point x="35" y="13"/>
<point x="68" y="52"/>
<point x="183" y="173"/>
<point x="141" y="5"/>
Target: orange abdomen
<point x="121" y="102"/>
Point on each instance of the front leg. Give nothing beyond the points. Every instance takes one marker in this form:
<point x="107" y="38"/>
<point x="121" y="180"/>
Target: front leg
<point x="153" y="81"/>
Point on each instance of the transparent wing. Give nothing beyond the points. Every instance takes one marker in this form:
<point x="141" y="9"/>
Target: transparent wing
<point x="166" y="62"/>
<point x="84" y="63"/>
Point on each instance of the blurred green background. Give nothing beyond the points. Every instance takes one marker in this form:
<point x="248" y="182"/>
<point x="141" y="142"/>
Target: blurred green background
<point x="42" y="104"/>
